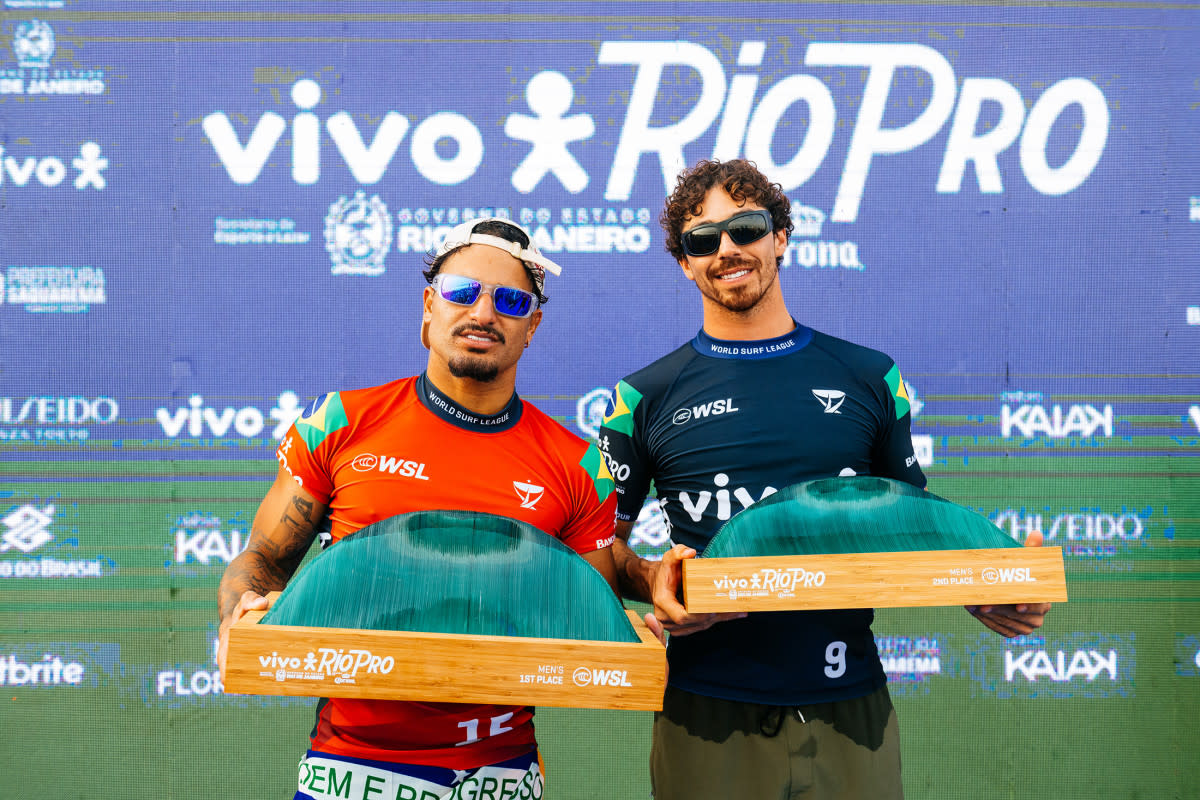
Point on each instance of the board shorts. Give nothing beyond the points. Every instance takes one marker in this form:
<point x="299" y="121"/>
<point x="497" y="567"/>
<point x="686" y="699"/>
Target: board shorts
<point x="324" y="776"/>
<point x="705" y="748"/>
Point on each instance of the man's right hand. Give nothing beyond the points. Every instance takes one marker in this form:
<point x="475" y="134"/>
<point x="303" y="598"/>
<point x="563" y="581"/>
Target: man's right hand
<point x="249" y="601"/>
<point x="669" y="613"/>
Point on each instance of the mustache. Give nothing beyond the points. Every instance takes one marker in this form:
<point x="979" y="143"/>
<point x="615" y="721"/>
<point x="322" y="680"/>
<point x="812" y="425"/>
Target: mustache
<point x="463" y="330"/>
<point x="727" y="264"/>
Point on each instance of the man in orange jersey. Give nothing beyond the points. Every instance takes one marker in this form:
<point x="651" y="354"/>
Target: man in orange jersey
<point x="455" y="437"/>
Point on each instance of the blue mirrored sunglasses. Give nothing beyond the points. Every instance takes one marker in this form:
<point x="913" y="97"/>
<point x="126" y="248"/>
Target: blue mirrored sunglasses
<point x="744" y="228"/>
<point x="462" y="291"/>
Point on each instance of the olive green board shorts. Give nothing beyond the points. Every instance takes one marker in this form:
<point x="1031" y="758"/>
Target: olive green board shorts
<point x="705" y="748"/>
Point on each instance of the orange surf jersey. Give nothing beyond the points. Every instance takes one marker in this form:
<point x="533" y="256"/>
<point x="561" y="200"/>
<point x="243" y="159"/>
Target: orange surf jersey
<point x="369" y="454"/>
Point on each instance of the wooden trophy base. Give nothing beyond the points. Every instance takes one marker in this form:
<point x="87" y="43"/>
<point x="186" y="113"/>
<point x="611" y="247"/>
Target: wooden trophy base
<point x="440" y="667"/>
<point x="875" y="580"/>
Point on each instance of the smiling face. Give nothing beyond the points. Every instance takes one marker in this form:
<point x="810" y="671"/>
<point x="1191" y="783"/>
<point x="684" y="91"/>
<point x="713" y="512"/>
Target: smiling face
<point x="735" y="277"/>
<point x="475" y="342"/>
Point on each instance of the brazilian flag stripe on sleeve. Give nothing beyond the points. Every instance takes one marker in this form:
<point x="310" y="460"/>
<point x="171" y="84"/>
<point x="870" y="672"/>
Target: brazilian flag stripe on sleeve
<point x="896" y="384"/>
<point x="597" y="468"/>
<point x="320" y="419"/>
<point x="620" y="416"/>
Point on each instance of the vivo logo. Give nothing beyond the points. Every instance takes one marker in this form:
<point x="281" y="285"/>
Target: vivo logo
<point x="695" y="507"/>
<point x="367" y="162"/>
<point x="247" y="422"/>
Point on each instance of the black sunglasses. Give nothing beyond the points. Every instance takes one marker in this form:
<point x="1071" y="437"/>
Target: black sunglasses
<point x="744" y="228"/>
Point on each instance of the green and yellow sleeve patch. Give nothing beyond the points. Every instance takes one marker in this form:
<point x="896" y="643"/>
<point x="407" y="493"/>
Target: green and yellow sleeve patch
<point x="322" y="418"/>
<point x="896" y="385"/>
<point x="620" y="417"/>
<point x="596" y="467"/>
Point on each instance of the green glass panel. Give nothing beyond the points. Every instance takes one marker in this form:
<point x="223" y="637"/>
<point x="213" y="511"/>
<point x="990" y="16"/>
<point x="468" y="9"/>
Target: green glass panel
<point x="853" y="515"/>
<point x="454" y="572"/>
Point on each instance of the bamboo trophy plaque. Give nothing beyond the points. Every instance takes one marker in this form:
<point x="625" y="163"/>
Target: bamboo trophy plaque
<point x="450" y="607"/>
<point x="865" y="543"/>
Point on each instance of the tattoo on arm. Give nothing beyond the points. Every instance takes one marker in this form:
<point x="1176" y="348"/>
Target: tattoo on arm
<point x="272" y="557"/>
<point x="304" y="519"/>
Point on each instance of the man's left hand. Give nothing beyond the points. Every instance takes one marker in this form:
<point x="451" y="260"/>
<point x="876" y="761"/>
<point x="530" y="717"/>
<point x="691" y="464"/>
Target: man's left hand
<point x="1014" y="619"/>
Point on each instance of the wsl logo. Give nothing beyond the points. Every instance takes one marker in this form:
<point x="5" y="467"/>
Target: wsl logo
<point x="713" y="408"/>
<point x="1002" y="575"/>
<point x="358" y="234"/>
<point x="615" y="678"/>
<point x="369" y="462"/>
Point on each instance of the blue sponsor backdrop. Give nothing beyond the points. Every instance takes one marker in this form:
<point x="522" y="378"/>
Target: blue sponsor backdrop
<point x="998" y="200"/>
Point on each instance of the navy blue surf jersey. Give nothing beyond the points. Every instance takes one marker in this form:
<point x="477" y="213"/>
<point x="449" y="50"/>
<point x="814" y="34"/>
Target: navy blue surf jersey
<point x="719" y="425"/>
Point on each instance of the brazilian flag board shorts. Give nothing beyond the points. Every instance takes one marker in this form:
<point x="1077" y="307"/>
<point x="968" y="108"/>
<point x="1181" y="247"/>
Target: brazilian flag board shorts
<point x="705" y="748"/>
<point x="324" y="776"/>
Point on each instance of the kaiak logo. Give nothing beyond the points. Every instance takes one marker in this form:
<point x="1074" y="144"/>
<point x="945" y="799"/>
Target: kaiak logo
<point x="696" y="507"/>
<point x="529" y="493"/>
<point x="600" y="677"/>
<point x="1032" y="420"/>
<point x="831" y="399"/>
<point x="992" y="575"/>
<point x="1035" y="664"/>
<point x="713" y="408"/>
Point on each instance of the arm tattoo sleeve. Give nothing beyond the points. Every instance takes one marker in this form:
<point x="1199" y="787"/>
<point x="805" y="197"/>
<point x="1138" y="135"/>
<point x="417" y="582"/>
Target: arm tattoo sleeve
<point x="271" y="559"/>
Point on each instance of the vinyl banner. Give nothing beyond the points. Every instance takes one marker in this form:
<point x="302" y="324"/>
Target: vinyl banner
<point x="213" y="213"/>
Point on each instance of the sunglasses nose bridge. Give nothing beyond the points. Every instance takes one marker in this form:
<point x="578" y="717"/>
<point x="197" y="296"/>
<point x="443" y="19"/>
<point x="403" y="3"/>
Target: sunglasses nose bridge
<point x="725" y="242"/>
<point x="479" y="308"/>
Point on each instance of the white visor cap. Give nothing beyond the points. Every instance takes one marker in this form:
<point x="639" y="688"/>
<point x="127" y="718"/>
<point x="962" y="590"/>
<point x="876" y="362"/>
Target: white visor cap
<point x="461" y="235"/>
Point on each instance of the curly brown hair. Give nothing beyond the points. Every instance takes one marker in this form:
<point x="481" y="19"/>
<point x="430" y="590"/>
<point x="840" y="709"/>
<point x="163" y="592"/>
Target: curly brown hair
<point x="740" y="178"/>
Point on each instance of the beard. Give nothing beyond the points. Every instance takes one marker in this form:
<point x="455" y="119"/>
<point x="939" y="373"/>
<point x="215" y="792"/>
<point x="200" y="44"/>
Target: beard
<point x="739" y="298"/>
<point x="477" y="369"/>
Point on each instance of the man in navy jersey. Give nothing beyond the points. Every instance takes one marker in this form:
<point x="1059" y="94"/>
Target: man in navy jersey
<point x="779" y="704"/>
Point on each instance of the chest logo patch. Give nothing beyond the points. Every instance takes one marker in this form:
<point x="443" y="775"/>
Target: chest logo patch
<point x="529" y="493"/>
<point x="831" y="399"/>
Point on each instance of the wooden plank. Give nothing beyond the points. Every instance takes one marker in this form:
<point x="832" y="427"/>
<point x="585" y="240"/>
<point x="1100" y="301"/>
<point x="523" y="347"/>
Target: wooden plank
<point x="875" y="580"/>
<point x="440" y="667"/>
